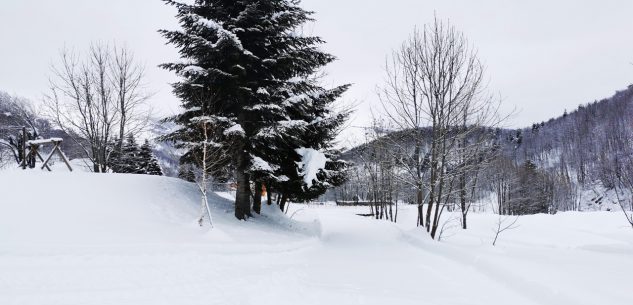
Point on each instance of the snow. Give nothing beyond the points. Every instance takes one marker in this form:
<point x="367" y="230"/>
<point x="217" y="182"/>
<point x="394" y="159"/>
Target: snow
<point x="296" y="80"/>
<point x="223" y="34"/>
<point x="265" y="106"/>
<point x="101" y="239"/>
<point x="289" y="124"/>
<point x="258" y="164"/>
<point x="234" y="130"/>
<point x="194" y="70"/>
<point x="301" y="98"/>
<point x="284" y="125"/>
<point x="312" y="162"/>
<point x="212" y="119"/>
<point x="44" y="141"/>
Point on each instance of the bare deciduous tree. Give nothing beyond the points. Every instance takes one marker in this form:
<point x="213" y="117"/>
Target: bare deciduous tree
<point x="127" y="79"/>
<point x="96" y="98"/>
<point x="435" y="89"/>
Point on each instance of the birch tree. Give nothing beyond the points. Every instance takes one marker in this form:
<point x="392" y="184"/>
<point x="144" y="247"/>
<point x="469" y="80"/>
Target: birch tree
<point x="212" y="155"/>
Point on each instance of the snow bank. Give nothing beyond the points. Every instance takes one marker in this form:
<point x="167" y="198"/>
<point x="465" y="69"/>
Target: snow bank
<point x="85" y="209"/>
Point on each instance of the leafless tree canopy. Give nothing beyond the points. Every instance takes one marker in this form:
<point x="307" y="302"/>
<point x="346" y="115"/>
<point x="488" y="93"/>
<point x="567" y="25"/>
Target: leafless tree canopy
<point x="98" y="97"/>
<point x="435" y="89"/>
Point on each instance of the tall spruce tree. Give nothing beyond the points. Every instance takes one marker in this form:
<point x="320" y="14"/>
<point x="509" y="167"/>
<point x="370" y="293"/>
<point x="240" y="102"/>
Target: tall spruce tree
<point x="247" y="76"/>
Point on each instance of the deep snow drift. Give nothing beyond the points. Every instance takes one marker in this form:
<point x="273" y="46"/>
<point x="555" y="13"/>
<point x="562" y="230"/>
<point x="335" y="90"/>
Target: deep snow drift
<point x="79" y="238"/>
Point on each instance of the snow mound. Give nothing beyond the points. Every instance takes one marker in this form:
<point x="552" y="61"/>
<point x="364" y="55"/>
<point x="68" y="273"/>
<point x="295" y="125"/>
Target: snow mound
<point x="85" y="209"/>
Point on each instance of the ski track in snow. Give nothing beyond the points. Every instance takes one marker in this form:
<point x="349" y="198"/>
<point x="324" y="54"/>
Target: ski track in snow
<point x="138" y="243"/>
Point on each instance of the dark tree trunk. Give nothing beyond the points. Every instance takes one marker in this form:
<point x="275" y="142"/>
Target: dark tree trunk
<point x="257" y="198"/>
<point x="395" y="217"/>
<point x="429" y="209"/>
<point x="433" y="181"/>
<point x="243" y="194"/>
<point x="462" y="197"/>
<point x="420" y="202"/>
<point x="269" y="196"/>
<point x="282" y="202"/>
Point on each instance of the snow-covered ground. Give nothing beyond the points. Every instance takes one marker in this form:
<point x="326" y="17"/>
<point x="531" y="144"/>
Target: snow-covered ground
<point x="80" y="238"/>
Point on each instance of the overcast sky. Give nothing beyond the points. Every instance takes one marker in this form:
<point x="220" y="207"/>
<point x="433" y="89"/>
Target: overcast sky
<point x="543" y="56"/>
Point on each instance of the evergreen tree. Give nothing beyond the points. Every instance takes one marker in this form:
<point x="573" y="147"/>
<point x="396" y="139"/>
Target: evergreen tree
<point x="130" y="162"/>
<point x="247" y="76"/>
<point x="185" y="172"/>
<point x="148" y="162"/>
<point x="114" y="155"/>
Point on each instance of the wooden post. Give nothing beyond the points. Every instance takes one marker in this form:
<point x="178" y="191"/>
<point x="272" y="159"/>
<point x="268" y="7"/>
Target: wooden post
<point x="50" y="155"/>
<point x="35" y="151"/>
<point x="61" y="154"/>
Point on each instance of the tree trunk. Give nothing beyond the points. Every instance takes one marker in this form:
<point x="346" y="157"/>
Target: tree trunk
<point x="395" y="217"/>
<point x="282" y="203"/>
<point x="462" y="195"/>
<point x="269" y="195"/>
<point x="434" y="177"/>
<point x="420" y="202"/>
<point x="243" y="194"/>
<point x="257" y="198"/>
<point x="429" y="209"/>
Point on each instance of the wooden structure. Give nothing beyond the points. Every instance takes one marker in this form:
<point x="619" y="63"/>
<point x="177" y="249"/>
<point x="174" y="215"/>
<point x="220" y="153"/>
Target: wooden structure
<point x="33" y="147"/>
<point x="361" y="203"/>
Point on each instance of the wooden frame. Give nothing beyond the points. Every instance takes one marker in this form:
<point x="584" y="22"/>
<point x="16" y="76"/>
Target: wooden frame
<point x="33" y="152"/>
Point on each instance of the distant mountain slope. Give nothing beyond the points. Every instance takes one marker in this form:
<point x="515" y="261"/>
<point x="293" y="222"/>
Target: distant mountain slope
<point x="578" y="154"/>
<point x="577" y="138"/>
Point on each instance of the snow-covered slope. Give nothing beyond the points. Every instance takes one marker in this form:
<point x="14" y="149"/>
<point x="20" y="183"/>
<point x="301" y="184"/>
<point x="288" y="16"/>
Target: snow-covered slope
<point x="83" y="209"/>
<point x="80" y="238"/>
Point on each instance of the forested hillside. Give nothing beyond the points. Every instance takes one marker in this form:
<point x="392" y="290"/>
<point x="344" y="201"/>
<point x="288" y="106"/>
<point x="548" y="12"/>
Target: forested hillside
<point x="581" y="160"/>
